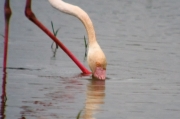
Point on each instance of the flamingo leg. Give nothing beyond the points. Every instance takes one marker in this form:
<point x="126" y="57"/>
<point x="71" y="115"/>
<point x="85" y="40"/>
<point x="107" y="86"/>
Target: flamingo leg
<point x="7" y="15"/>
<point x="30" y="15"/>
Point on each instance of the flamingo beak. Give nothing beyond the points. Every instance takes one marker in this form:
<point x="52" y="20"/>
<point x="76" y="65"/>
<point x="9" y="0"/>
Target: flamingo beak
<point x="100" y="73"/>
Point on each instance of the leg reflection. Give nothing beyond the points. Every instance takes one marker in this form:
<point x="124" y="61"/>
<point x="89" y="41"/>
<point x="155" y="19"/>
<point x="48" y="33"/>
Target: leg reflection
<point x="3" y="97"/>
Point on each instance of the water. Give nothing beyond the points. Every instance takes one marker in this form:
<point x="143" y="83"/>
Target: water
<point x="140" y="39"/>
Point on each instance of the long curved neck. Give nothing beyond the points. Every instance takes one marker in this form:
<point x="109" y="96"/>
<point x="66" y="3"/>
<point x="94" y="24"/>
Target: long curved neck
<point x="79" y="13"/>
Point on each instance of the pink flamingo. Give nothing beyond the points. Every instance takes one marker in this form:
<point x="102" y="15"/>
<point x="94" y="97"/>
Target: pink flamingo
<point x="96" y="58"/>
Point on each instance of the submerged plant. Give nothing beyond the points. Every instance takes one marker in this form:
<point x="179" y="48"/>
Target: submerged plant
<point x="86" y="47"/>
<point x="55" y="34"/>
<point x="78" y="116"/>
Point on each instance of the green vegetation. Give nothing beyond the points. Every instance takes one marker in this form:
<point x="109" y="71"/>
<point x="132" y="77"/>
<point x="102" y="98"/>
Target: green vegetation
<point x="55" y="34"/>
<point x="86" y="47"/>
<point x="78" y="116"/>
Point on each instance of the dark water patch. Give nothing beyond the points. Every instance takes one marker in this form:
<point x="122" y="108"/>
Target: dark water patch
<point x="75" y="76"/>
<point x="149" y="49"/>
<point x="134" y="44"/>
<point x="21" y="68"/>
<point x="178" y="110"/>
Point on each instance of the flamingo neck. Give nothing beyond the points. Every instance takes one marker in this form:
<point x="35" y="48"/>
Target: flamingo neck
<point x="79" y="13"/>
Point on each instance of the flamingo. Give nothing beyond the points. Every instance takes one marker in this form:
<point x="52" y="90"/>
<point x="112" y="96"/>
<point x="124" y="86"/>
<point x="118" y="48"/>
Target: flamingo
<point x="95" y="57"/>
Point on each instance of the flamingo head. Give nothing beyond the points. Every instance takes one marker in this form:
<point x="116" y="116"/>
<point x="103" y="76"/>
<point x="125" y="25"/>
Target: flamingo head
<point x="97" y="62"/>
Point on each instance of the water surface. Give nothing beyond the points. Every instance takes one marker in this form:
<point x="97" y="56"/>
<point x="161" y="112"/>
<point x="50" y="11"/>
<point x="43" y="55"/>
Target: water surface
<point x="140" y="39"/>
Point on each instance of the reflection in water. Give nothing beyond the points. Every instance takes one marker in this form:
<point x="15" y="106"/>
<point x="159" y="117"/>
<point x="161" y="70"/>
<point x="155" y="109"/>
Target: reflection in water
<point x="60" y="97"/>
<point x="3" y="95"/>
<point x="95" y="96"/>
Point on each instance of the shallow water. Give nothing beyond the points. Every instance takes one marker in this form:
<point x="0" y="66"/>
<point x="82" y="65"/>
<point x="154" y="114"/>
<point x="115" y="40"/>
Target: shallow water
<point x="140" y="39"/>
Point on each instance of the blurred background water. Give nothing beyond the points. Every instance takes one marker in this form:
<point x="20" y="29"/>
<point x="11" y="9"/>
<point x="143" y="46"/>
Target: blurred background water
<point x="140" y="39"/>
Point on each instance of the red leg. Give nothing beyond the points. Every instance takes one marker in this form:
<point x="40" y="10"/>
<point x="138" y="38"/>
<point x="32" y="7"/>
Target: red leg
<point x="7" y="14"/>
<point x="29" y="14"/>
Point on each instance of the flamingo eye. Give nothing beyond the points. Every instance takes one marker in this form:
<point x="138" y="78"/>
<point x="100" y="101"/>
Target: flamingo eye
<point x="98" y="64"/>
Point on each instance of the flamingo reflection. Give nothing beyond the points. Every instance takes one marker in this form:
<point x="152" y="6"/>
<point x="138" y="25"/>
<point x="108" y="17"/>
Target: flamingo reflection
<point x="94" y="98"/>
